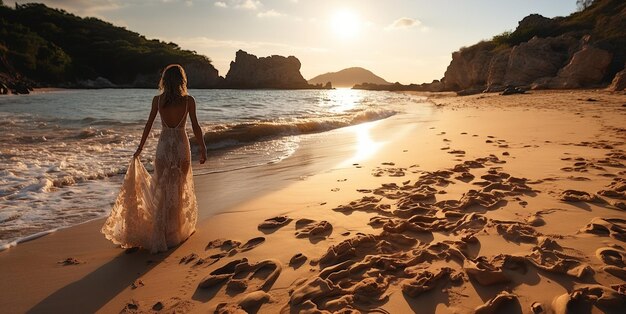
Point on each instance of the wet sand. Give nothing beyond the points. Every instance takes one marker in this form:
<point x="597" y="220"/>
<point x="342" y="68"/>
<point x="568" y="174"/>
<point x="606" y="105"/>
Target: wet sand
<point x="487" y="204"/>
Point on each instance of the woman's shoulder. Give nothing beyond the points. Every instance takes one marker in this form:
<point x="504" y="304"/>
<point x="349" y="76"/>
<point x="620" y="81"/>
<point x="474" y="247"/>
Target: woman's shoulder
<point x="190" y="99"/>
<point x="156" y="99"/>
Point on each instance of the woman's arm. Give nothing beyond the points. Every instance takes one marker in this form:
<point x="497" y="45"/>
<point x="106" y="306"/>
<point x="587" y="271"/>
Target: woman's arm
<point x="197" y="131"/>
<point x="146" y="130"/>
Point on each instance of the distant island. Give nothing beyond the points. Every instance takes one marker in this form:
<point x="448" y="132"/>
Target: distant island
<point x="349" y="77"/>
<point x="45" y="47"/>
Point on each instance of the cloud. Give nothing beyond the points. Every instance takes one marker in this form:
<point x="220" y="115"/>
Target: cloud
<point x="404" y="22"/>
<point x="82" y="7"/>
<point x="207" y="44"/>
<point x="220" y="4"/>
<point x="248" y="4"/>
<point x="269" y="14"/>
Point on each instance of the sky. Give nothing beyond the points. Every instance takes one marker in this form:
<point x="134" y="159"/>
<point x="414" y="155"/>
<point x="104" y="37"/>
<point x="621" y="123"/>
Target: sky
<point x="400" y="40"/>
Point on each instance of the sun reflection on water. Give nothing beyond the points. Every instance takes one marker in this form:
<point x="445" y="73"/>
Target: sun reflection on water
<point x="344" y="99"/>
<point x="365" y="145"/>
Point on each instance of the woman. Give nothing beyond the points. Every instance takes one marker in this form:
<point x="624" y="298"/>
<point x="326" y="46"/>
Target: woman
<point x="159" y="212"/>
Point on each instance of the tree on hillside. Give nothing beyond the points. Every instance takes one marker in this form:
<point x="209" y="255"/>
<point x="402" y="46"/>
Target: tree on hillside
<point x="583" y="4"/>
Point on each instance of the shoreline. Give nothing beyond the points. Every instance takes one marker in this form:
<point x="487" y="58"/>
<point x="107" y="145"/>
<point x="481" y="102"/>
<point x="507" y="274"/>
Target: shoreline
<point x="327" y="181"/>
<point x="237" y="143"/>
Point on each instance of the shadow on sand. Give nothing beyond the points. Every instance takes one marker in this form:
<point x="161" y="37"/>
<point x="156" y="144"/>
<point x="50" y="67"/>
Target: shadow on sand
<point x="90" y="293"/>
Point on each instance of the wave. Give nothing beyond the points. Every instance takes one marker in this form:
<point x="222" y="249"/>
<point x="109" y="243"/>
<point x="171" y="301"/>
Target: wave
<point x="231" y="134"/>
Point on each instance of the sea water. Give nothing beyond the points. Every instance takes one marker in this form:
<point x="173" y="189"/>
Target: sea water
<point x="63" y="153"/>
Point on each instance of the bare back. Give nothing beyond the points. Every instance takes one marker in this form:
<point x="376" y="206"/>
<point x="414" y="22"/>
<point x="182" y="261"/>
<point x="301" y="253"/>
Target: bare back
<point x="173" y="115"/>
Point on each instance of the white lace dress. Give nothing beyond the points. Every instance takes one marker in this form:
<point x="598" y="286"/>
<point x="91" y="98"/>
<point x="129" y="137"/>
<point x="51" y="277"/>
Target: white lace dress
<point x="160" y="211"/>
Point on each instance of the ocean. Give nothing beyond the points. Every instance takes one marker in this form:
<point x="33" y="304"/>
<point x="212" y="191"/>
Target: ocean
<point x="63" y="153"/>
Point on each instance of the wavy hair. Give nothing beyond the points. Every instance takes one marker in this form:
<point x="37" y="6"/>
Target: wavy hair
<point x="173" y="83"/>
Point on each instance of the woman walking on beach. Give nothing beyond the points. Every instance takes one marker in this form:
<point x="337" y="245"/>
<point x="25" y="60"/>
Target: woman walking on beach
<point x="159" y="212"/>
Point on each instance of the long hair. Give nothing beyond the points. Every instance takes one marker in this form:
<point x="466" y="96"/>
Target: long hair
<point x="173" y="83"/>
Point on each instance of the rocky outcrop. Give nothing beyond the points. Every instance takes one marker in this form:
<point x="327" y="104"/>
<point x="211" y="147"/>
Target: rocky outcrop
<point x="586" y="68"/>
<point x="469" y="67"/>
<point x="202" y="75"/>
<point x="492" y="69"/>
<point x="537" y="58"/>
<point x="11" y="81"/>
<point x="585" y="49"/>
<point x="619" y="81"/>
<point x="248" y="71"/>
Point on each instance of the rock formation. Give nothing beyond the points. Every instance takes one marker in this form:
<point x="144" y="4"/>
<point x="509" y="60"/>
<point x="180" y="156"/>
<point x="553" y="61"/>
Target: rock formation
<point x="619" y="81"/>
<point x="202" y="75"/>
<point x="582" y="50"/>
<point x="248" y="71"/>
<point x="586" y="68"/>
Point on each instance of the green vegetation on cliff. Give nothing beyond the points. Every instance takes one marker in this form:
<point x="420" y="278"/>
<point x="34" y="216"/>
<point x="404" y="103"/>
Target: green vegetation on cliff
<point x="604" y="20"/>
<point x="55" y="47"/>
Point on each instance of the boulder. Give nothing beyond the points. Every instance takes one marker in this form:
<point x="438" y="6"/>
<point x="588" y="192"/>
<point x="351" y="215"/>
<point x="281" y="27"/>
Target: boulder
<point x="619" y="81"/>
<point x="586" y="68"/>
<point x="248" y="71"/>
<point x="537" y="58"/>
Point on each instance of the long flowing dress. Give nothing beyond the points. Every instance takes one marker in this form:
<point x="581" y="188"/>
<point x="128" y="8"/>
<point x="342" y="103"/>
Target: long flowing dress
<point x="160" y="211"/>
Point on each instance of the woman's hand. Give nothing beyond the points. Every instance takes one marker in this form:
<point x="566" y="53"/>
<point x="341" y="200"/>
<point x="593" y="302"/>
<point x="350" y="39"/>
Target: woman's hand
<point x="202" y="159"/>
<point x="137" y="153"/>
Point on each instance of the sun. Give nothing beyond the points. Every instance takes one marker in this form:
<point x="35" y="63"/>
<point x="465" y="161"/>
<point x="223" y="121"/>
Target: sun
<point x="345" y="24"/>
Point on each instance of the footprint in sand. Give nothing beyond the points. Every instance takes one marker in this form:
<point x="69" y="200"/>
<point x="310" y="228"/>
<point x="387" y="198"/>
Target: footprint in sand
<point x="308" y="228"/>
<point x="457" y="152"/>
<point x="240" y="276"/>
<point x="297" y="260"/>
<point x="426" y="281"/>
<point x="485" y="272"/>
<point x="249" y="303"/>
<point x="613" y="227"/>
<point x="366" y="203"/>
<point x="189" y="258"/>
<point x="612" y="256"/>
<point x="70" y="261"/>
<point x="252" y="243"/>
<point x="553" y="260"/>
<point x="579" y="196"/>
<point x="504" y="302"/>
<point x="274" y="223"/>
<point x="232" y="247"/>
<point x="585" y="295"/>
<point x="223" y="244"/>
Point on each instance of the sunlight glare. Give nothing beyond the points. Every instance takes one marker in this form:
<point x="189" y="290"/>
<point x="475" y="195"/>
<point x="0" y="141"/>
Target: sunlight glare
<point x="345" y="24"/>
<point x="346" y="99"/>
<point x="365" y="145"/>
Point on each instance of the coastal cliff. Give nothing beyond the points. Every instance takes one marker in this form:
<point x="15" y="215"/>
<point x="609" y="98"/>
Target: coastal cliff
<point x="42" y="46"/>
<point x="585" y="49"/>
<point x="249" y="71"/>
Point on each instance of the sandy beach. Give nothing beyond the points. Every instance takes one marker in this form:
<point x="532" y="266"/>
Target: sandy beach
<point x="486" y="204"/>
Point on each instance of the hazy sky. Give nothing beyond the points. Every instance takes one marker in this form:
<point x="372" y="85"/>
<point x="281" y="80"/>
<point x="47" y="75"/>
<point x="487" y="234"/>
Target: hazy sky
<point x="405" y="41"/>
